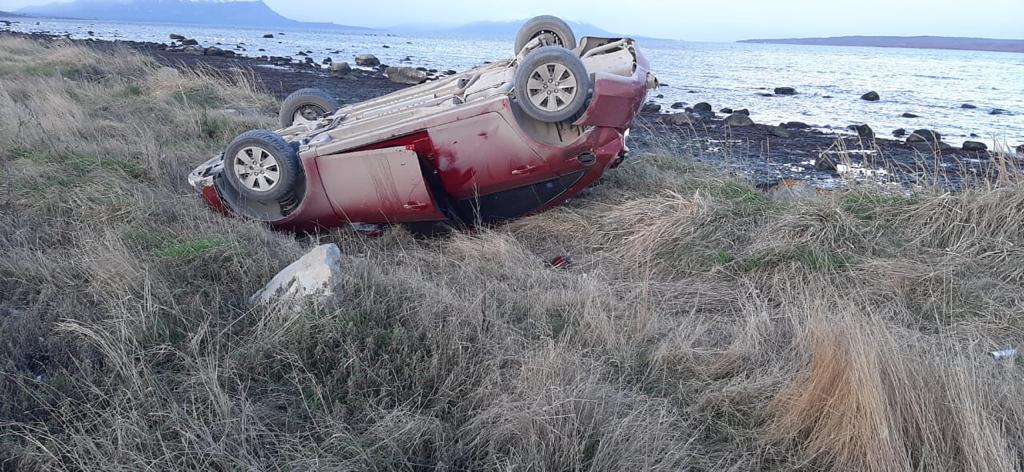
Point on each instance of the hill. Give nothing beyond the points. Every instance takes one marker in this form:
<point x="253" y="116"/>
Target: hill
<point x="247" y="13"/>
<point x="703" y="326"/>
<point x="914" y="42"/>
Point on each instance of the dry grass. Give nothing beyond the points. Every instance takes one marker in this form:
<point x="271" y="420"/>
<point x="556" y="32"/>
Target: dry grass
<point x="703" y="326"/>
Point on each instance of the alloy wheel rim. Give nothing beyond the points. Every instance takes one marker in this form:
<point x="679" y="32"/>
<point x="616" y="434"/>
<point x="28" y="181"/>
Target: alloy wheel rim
<point x="552" y="87"/>
<point x="257" y="169"/>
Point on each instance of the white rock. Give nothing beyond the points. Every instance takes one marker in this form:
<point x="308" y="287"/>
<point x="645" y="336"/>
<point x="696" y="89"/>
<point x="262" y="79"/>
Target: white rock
<point x="314" y="278"/>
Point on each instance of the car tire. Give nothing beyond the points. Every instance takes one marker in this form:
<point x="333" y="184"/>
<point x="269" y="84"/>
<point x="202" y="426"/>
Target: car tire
<point x="262" y="166"/>
<point x="551" y="84"/>
<point x="558" y="31"/>
<point x="309" y="104"/>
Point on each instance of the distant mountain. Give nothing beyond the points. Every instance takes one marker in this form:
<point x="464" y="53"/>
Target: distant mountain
<point x="497" y="29"/>
<point x="196" y="12"/>
<point x="916" y="42"/>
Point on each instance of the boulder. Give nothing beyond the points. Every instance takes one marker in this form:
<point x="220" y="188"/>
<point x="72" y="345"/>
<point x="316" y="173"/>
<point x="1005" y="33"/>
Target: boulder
<point x="176" y="37"/>
<point x="864" y="131"/>
<point x="315" y="278"/>
<point x="738" y="120"/>
<point x="678" y="106"/>
<point x="742" y="111"/>
<point x="924" y="135"/>
<point x="1020" y="149"/>
<point x="189" y="42"/>
<point x="213" y="51"/>
<point x="785" y="91"/>
<point x="779" y="132"/>
<point x="968" y="106"/>
<point x="795" y="125"/>
<point x="367" y="60"/>
<point x="268" y="35"/>
<point x="726" y="111"/>
<point x="998" y="111"/>
<point x="659" y="96"/>
<point x="194" y="50"/>
<point x="651" y="107"/>
<point x="327" y="60"/>
<point x="450" y="72"/>
<point x="871" y="96"/>
<point x="702" y="107"/>
<point x="406" y="75"/>
<point x="975" y="146"/>
<point x="340" y="69"/>
<point x="910" y="115"/>
<point x="899" y="133"/>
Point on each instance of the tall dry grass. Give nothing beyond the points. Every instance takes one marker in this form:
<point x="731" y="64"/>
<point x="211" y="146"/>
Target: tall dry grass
<point x="704" y="326"/>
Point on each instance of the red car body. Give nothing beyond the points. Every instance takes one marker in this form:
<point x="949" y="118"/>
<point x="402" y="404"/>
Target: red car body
<point x="474" y="162"/>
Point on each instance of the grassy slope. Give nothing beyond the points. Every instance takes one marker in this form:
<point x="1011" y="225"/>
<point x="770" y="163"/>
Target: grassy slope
<point x="703" y="326"/>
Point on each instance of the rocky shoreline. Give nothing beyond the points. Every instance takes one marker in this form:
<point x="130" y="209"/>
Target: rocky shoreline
<point x="730" y="140"/>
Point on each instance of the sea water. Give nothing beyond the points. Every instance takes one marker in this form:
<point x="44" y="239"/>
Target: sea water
<point x="829" y="80"/>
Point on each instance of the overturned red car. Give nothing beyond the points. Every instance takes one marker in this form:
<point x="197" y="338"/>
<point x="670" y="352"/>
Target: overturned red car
<point x="497" y="142"/>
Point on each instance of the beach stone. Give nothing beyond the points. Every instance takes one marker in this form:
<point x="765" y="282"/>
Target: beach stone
<point x="742" y="111"/>
<point x="779" y="132"/>
<point x="702" y="108"/>
<point x="871" y="96"/>
<point x="864" y="131"/>
<point x="910" y="115"/>
<point x="315" y="278"/>
<point x="340" y="69"/>
<point x="450" y="72"/>
<point x="795" y="125"/>
<point x="825" y="163"/>
<point x="678" y="106"/>
<point x="189" y="42"/>
<point x="367" y="60"/>
<point x="785" y="91"/>
<point x="998" y="111"/>
<point x="681" y="119"/>
<point x="726" y="111"/>
<point x="651" y="107"/>
<point x="899" y="133"/>
<point x="968" y="106"/>
<point x="268" y="35"/>
<point x="975" y="146"/>
<point x="176" y="37"/>
<point x="738" y="120"/>
<point x="406" y="75"/>
<point x="924" y="135"/>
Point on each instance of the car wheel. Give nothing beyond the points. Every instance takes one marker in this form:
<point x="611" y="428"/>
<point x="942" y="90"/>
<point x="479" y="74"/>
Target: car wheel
<point x="551" y="84"/>
<point x="262" y="166"/>
<point x="553" y="30"/>
<point x="308" y="104"/>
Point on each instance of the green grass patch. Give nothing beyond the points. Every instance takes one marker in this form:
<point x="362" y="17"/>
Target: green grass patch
<point x="867" y="206"/>
<point x="812" y="259"/>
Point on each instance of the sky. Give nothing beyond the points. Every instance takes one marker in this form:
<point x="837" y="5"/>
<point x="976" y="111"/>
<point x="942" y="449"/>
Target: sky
<point x="679" y="19"/>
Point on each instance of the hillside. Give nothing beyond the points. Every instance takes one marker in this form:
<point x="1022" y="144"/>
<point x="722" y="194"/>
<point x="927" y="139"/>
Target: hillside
<point x="703" y="324"/>
<point x="243" y="13"/>
<point x="915" y="42"/>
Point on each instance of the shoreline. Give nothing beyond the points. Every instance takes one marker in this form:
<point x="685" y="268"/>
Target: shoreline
<point x="763" y="154"/>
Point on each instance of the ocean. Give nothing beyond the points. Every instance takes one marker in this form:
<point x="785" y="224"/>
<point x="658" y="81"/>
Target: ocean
<point x="933" y="84"/>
